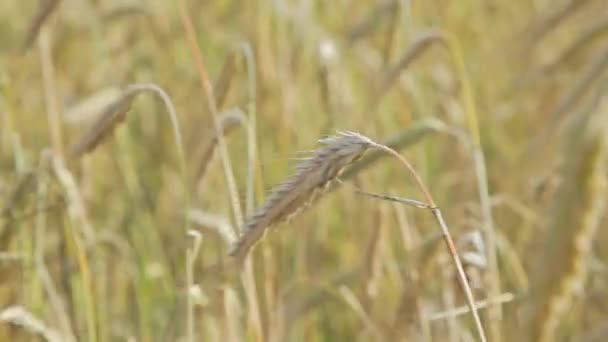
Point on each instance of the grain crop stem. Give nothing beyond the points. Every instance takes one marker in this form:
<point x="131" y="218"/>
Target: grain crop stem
<point x="446" y="236"/>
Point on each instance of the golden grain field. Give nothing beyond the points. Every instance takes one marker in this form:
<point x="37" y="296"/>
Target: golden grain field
<point x="299" y="170"/>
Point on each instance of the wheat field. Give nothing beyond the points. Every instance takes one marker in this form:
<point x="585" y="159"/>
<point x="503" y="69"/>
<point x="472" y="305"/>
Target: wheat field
<point x="298" y="170"/>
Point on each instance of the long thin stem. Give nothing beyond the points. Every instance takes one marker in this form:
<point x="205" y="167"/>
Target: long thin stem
<point x="419" y="182"/>
<point x="137" y="87"/>
<point x="461" y="274"/>
<point x="447" y="238"/>
<point x="208" y="89"/>
<point x="191" y="255"/>
<point x="468" y="100"/>
<point x="482" y="304"/>
<point x="251" y="127"/>
<point x="248" y="277"/>
<point x="50" y="92"/>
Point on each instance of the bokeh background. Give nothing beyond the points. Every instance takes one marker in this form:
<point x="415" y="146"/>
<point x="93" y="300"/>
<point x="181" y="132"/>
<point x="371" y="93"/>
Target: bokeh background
<point x="499" y="105"/>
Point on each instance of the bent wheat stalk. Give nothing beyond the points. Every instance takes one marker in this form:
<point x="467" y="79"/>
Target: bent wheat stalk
<point x="430" y="204"/>
<point x="314" y="174"/>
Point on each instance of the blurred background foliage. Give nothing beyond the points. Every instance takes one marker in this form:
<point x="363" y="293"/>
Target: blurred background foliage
<point x="94" y="248"/>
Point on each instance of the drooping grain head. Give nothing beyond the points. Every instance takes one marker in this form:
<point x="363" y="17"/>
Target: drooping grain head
<point x="299" y="190"/>
<point x="107" y="121"/>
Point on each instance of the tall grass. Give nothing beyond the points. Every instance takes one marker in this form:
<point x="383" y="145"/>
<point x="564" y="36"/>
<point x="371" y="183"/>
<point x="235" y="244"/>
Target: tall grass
<point x="106" y="193"/>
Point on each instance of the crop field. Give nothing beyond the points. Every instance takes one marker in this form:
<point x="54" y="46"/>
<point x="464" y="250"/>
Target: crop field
<point x="300" y="170"/>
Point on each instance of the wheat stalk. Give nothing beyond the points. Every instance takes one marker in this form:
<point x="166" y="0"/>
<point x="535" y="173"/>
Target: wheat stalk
<point x="224" y="80"/>
<point x="310" y="180"/>
<point x="430" y="204"/>
<point x="314" y="174"/>
<point x="45" y="9"/>
<point x="191" y="254"/>
<point x="248" y="278"/>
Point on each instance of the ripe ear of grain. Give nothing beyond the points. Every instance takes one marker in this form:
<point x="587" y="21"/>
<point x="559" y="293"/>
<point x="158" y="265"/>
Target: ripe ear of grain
<point x="300" y="189"/>
<point x="113" y="114"/>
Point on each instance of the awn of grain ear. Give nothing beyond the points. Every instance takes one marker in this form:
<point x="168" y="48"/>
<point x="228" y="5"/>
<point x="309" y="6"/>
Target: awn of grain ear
<point x="299" y="190"/>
